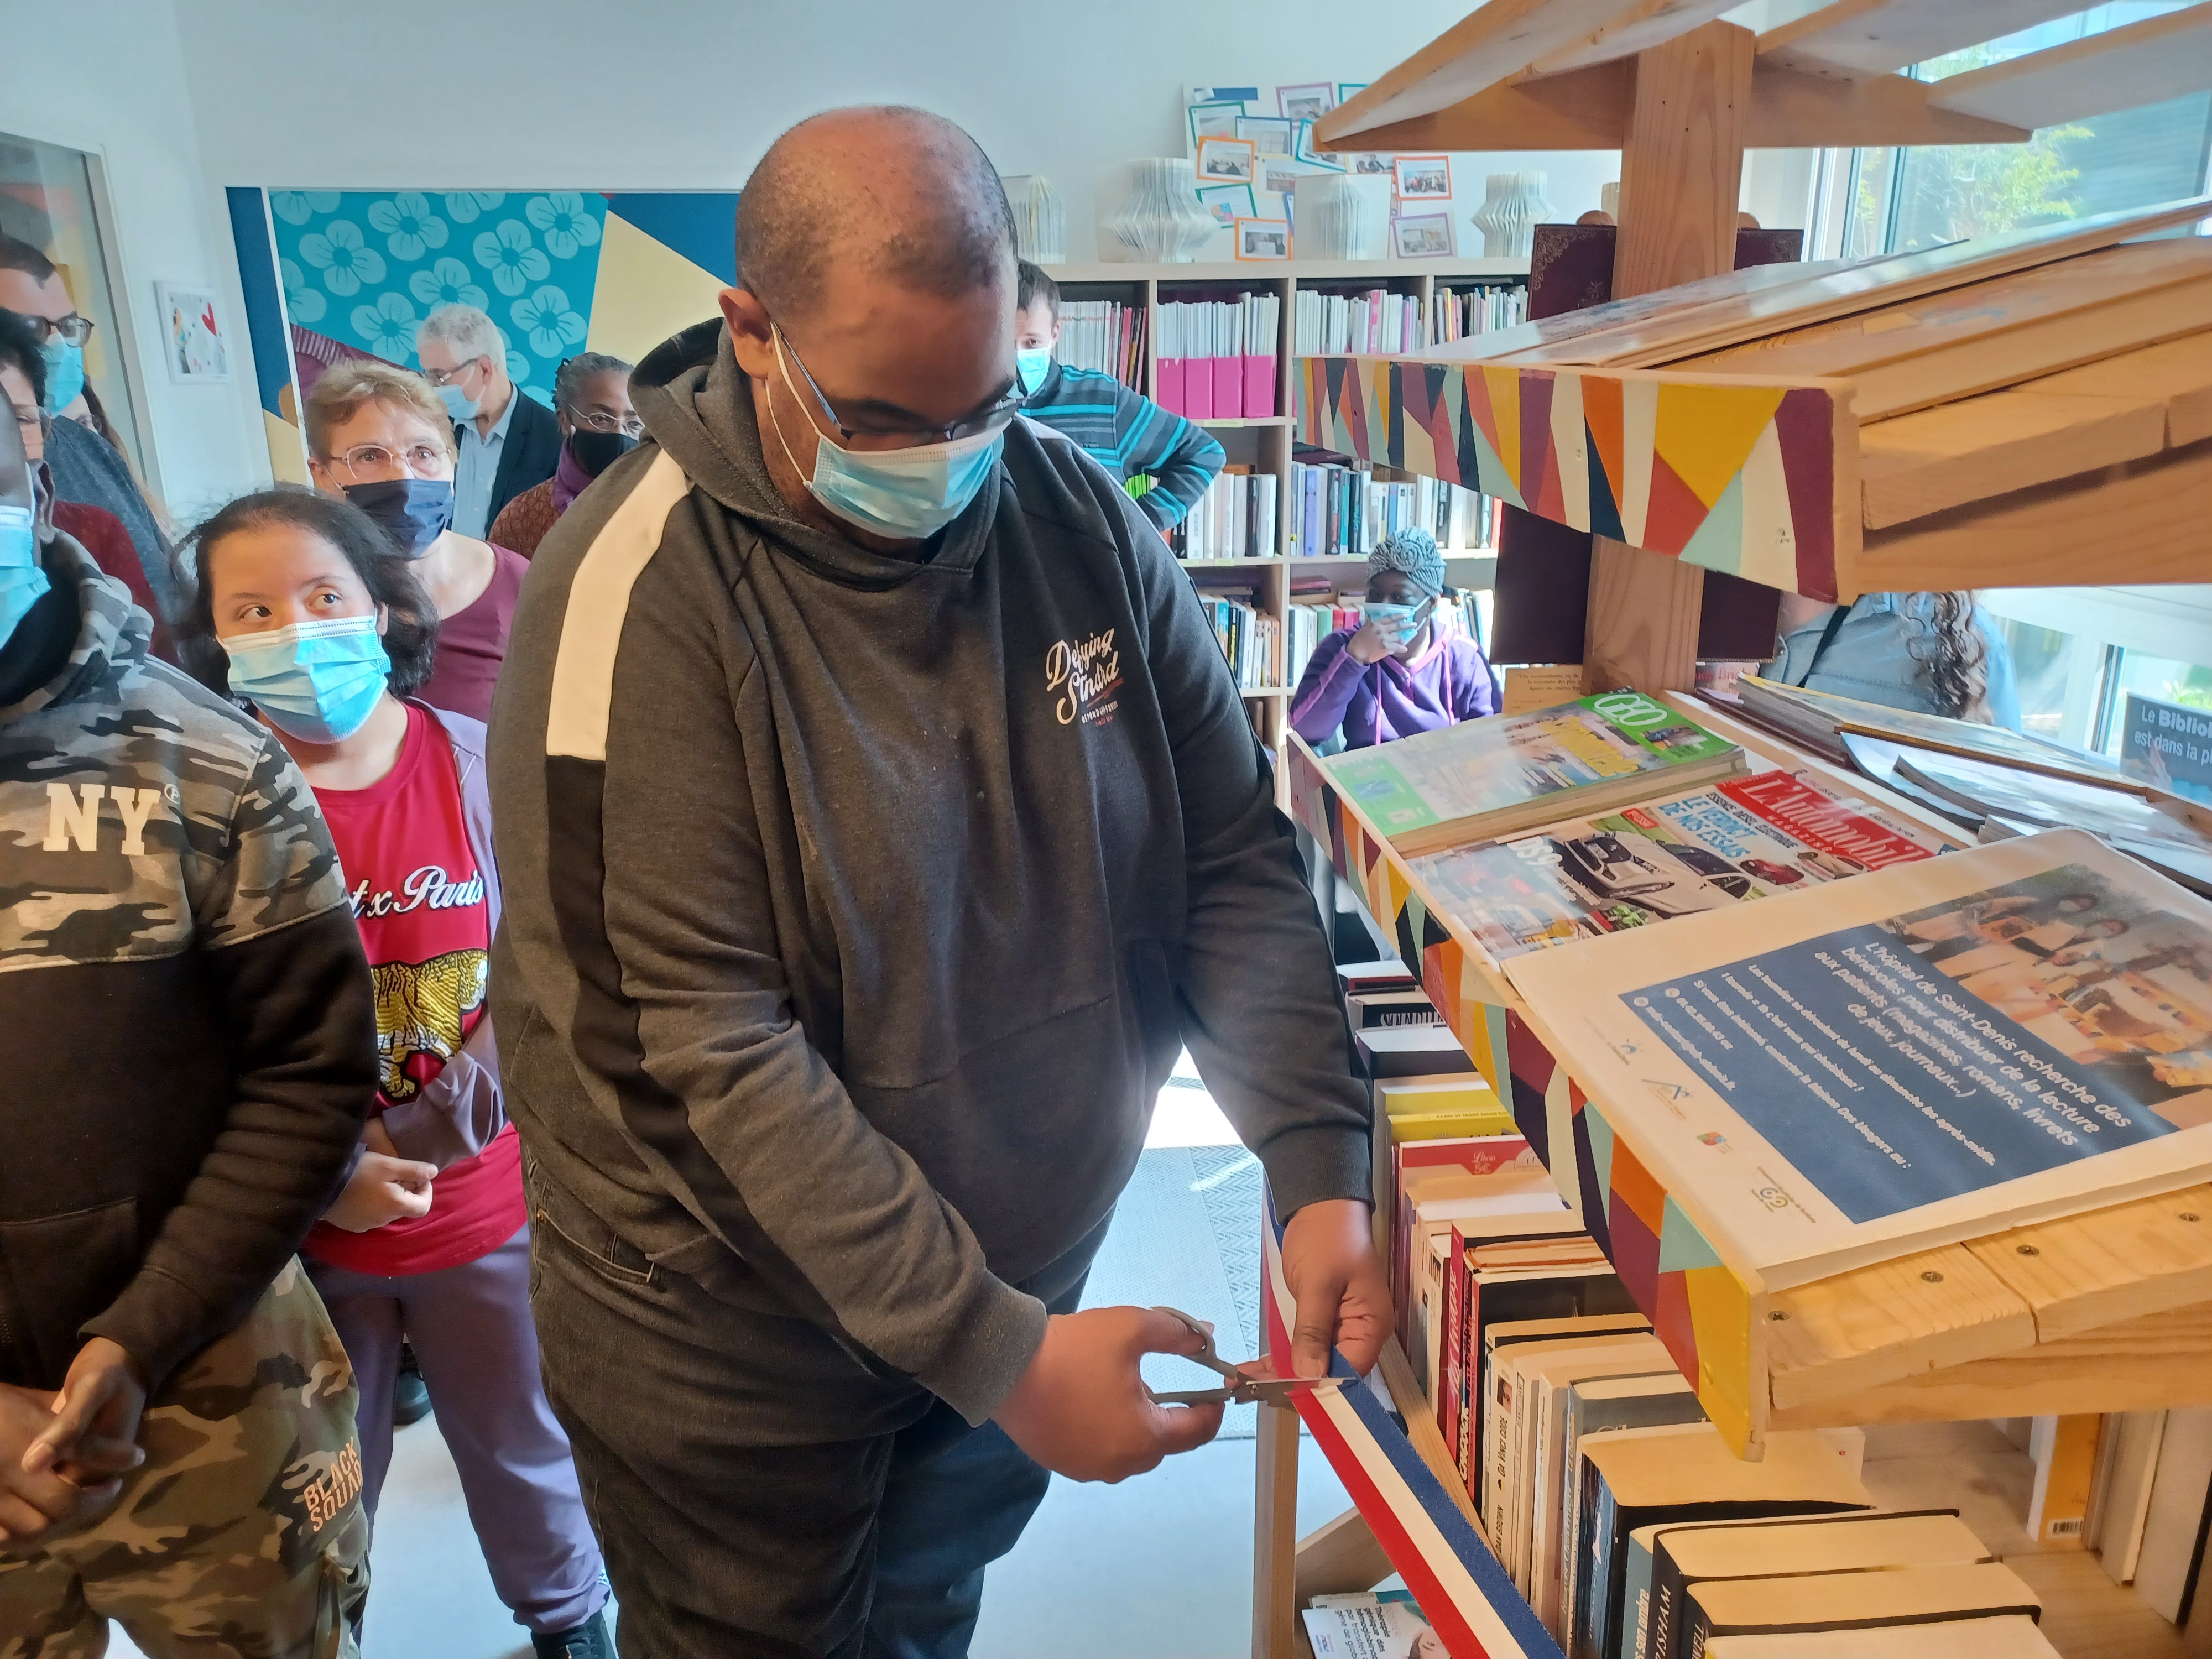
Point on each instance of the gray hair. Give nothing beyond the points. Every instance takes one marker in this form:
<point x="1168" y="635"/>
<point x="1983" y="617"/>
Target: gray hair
<point x="577" y="369"/>
<point x="1413" y="554"/>
<point x="467" y="332"/>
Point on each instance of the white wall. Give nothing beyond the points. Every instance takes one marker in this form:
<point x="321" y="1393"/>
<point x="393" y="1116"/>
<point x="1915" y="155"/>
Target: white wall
<point x="188" y="96"/>
<point x="107" y="76"/>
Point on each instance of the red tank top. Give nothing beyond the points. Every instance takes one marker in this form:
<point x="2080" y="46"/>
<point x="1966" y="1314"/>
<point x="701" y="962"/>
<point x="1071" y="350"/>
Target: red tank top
<point x="418" y="898"/>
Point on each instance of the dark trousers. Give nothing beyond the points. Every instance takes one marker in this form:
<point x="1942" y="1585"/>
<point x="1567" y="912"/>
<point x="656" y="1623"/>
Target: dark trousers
<point x="729" y="1526"/>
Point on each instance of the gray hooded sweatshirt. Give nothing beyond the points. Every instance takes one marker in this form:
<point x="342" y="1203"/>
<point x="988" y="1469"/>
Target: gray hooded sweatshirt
<point x="857" y="905"/>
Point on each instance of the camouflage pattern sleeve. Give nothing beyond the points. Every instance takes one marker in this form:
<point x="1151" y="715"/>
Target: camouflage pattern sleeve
<point x="279" y="865"/>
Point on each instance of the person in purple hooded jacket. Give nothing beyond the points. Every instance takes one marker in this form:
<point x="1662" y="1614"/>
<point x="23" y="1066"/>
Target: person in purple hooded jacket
<point x="1397" y="673"/>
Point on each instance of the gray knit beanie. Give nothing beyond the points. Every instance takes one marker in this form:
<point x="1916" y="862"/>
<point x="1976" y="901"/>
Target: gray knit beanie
<point x="1413" y="555"/>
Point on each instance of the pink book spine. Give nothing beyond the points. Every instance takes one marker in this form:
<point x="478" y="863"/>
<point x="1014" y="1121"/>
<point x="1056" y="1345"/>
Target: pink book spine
<point x="1171" y="389"/>
<point x="1198" y="389"/>
<point x="1228" y="388"/>
<point x="1259" y="387"/>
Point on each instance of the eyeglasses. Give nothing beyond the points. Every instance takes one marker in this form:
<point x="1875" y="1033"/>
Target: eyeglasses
<point x="599" y="420"/>
<point x="437" y="377"/>
<point x="73" y="328"/>
<point x="424" y="461"/>
<point x="999" y="415"/>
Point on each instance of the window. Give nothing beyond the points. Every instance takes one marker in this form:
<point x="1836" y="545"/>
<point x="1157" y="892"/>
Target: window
<point x="46" y="199"/>
<point x="1898" y="200"/>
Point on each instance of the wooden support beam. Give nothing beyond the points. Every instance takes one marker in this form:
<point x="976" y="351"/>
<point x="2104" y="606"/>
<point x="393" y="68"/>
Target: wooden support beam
<point x="2156" y="509"/>
<point x="1681" y="173"/>
<point x="2151" y="1256"/>
<point x="1857" y="38"/>
<point x="2178" y="373"/>
<point x="2145" y="62"/>
<point x="1651" y="24"/>
<point x="1493" y="43"/>
<point x="1276" y="1626"/>
<point x="1793" y="110"/>
<point x="1584" y="109"/>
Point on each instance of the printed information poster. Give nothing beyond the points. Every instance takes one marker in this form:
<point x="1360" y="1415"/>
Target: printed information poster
<point x="1932" y="1072"/>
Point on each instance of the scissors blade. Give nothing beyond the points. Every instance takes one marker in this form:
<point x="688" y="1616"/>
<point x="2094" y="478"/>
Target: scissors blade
<point x="1281" y="1390"/>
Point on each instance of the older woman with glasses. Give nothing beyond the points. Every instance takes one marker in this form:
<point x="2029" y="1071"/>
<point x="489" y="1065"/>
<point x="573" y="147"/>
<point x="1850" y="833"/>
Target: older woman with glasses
<point x="591" y="400"/>
<point x="379" y="436"/>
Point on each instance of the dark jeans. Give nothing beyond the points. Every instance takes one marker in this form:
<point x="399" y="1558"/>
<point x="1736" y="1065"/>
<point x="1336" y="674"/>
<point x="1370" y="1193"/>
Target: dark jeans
<point x="728" y="1533"/>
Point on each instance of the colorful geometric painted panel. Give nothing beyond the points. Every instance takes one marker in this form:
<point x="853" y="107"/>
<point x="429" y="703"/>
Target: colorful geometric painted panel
<point x="1735" y="478"/>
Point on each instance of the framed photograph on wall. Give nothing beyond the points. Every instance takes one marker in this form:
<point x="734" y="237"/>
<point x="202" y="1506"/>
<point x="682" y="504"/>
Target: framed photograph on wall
<point x="1303" y="150"/>
<point x="1263" y="239"/>
<point x="1227" y="204"/>
<point x="1373" y="162"/>
<point x="1271" y="134"/>
<point x="1424" y="236"/>
<point x="1346" y="90"/>
<point x="1423" y="177"/>
<point x="1216" y="120"/>
<point x="1306" y="103"/>
<point x="1225" y="161"/>
<point x="194" y="337"/>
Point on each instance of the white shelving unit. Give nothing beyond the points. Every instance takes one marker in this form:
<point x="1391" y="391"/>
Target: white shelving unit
<point x="1265" y="443"/>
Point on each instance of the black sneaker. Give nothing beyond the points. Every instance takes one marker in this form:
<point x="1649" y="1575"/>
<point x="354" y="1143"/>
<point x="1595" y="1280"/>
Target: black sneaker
<point x="589" y="1640"/>
<point x="410" y="1395"/>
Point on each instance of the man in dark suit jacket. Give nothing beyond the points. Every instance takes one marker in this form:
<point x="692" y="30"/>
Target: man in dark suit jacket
<point x="507" y="442"/>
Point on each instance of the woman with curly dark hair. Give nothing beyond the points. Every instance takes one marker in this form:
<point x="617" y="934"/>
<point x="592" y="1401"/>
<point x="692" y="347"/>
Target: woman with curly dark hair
<point x="1935" y="653"/>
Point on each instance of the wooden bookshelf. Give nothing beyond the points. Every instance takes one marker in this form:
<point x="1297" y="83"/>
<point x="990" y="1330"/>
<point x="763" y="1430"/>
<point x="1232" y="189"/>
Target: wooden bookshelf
<point x="1265" y="443"/>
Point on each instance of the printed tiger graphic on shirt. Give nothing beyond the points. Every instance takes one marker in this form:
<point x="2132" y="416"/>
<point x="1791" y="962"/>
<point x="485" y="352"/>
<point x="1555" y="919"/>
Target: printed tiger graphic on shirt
<point x="422" y="1013"/>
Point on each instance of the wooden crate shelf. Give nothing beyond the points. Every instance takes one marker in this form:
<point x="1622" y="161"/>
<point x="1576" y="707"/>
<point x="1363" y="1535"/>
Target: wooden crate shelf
<point x="2106" y="1311"/>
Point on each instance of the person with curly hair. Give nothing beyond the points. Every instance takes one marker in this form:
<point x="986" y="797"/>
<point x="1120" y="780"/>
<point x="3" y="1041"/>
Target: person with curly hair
<point x="1935" y="653"/>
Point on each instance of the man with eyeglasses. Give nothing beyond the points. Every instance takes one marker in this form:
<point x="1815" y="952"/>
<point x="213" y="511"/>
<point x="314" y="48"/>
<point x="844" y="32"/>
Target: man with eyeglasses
<point x="878" y="820"/>
<point x="599" y="427"/>
<point x="507" y="442"/>
<point x="86" y="467"/>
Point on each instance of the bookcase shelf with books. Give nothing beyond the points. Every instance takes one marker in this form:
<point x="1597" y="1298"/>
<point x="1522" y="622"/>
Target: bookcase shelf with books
<point x="1260" y="441"/>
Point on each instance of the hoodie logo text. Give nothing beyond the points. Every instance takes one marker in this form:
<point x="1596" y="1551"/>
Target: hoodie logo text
<point x="1085" y="672"/>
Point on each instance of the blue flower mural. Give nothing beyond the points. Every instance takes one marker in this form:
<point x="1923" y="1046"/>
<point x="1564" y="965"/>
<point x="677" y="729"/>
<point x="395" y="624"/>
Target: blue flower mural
<point x="344" y="259"/>
<point x="512" y="259"/>
<point x="446" y="282"/>
<point x="409" y="226"/>
<point x="367" y="268"/>
<point x="387" y="328"/>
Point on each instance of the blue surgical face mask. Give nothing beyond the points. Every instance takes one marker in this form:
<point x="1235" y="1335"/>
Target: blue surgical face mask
<point x="23" y="584"/>
<point x="1033" y="366"/>
<point x="64" y="371"/>
<point x="459" y="403"/>
<point x="906" y="493"/>
<point x="413" y="511"/>
<point x="1396" y="621"/>
<point x="316" y="681"/>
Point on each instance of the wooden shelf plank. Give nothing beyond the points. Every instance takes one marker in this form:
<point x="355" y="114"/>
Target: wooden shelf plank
<point x="1877" y="37"/>
<point x="1968" y="450"/>
<point x="2140" y="522"/>
<point x="2145" y="62"/>
<point x="1893" y="1319"/>
<point x="1582" y="109"/>
<point x="2178" y="373"/>
<point x="1791" y="109"/>
<point x="1652" y="24"/>
<point x="2130" y="1260"/>
<point x="1491" y="44"/>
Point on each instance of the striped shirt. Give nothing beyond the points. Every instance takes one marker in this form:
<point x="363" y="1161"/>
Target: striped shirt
<point x="1129" y="433"/>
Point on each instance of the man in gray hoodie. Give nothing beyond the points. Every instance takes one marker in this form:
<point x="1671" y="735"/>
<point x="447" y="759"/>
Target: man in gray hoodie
<point x="878" y="819"/>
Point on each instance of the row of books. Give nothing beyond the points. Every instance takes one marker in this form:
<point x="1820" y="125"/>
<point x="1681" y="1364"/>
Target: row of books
<point x="1376" y="322"/>
<point x="1458" y="313"/>
<point x="1218" y="357"/>
<point x="1614" y="1505"/>
<point x="1234" y="519"/>
<point x="1342" y="511"/>
<point x="1250" y="640"/>
<point x="1103" y="335"/>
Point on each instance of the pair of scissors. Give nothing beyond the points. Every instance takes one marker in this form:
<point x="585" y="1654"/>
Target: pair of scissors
<point x="1240" y="1388"/>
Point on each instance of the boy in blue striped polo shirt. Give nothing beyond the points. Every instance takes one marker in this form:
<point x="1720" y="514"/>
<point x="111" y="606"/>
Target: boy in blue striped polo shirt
<point x="1126" y="432"/>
